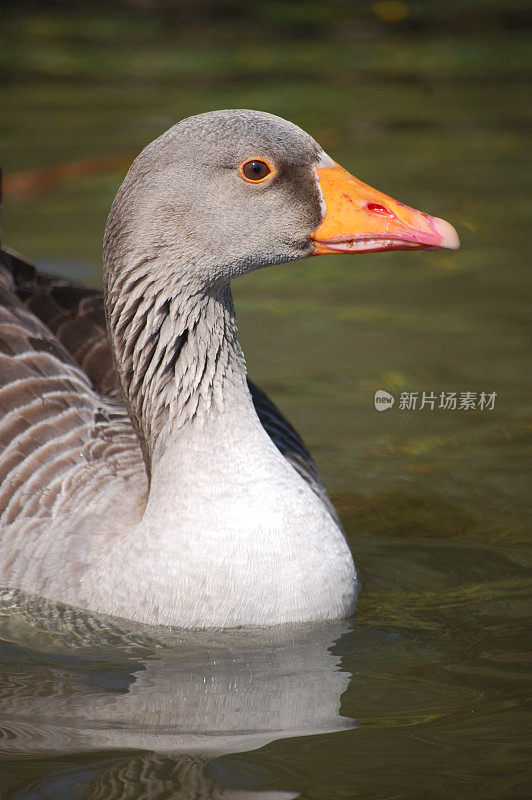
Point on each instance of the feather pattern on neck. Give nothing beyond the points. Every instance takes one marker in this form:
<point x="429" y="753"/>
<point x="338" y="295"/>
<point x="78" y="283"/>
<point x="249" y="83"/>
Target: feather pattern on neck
<point x="176" y="350"/>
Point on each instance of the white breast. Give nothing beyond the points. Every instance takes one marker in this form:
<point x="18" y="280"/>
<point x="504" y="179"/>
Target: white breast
<point x="241" y="541"/>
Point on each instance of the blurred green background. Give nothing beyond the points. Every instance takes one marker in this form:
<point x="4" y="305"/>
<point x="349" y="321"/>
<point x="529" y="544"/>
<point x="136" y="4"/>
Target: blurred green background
<point x="429" y="102"/>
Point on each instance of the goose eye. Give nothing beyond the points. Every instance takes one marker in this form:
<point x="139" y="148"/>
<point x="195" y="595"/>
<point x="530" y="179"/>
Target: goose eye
<point x="255" y="170"/>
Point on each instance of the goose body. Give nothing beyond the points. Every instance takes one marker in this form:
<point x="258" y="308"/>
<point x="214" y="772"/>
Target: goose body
<point x="141" y="474"/>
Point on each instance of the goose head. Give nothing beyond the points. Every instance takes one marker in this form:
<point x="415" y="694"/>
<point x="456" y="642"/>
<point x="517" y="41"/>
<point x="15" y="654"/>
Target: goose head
<point x="227" y="192"/>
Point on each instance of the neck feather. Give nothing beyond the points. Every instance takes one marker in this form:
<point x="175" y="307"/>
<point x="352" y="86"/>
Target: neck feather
<point x="176" y="350"/>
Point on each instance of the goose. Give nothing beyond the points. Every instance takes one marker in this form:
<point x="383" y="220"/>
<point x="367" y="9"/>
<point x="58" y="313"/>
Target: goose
<point x="141" y="474"/>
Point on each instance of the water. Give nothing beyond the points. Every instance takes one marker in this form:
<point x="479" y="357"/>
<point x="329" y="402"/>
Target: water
<point x="422" y="694"/>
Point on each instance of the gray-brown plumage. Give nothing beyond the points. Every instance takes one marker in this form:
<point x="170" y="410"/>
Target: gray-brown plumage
<point x="56" y="430"/>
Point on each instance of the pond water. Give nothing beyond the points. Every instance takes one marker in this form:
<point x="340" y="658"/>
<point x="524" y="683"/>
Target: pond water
<point x="422" y="693"/>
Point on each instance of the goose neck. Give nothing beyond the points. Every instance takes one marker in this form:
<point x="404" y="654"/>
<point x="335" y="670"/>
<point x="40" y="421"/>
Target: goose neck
<point x="178" y="357"/>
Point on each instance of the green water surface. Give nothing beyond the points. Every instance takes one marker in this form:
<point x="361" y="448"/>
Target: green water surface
<point x="422" y="694"/>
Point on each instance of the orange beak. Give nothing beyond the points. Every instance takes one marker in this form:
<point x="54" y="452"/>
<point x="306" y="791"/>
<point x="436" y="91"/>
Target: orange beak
<point x="359" y="219"/>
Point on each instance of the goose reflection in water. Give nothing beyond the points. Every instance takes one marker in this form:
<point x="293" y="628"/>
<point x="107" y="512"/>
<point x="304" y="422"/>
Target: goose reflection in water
<point x="93" y="684"/>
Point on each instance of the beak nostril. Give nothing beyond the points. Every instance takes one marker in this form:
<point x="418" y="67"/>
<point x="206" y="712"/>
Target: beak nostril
<point x="376" y="208"/>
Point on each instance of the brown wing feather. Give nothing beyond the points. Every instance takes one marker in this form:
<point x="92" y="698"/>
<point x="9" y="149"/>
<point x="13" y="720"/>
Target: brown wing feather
<point x="73" y="313"/>
<point x="60" y="441"/>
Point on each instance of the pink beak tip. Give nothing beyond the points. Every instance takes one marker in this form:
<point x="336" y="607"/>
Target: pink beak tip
<point x="446" y="232"/>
